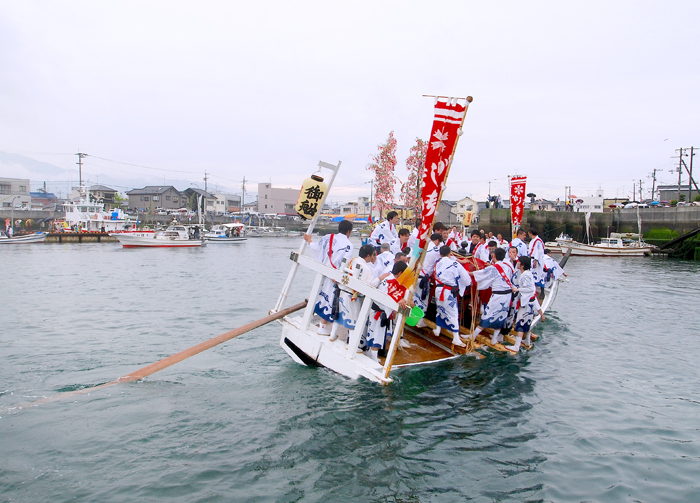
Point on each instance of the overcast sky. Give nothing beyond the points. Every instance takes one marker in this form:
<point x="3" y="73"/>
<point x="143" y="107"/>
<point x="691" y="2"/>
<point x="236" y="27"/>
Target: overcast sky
<point x="585" y="94"/>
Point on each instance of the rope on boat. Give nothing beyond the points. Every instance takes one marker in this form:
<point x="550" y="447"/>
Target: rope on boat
<point x="168" y="361"/>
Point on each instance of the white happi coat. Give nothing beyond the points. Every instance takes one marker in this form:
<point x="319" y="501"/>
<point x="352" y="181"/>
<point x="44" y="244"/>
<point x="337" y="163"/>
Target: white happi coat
<point x="520" y="245"/>
<point x="384" y="263"/>
<point x="503" y="244"/>
<point x="349" y="307"/>
<point x="396" y="245"/>
<point x="383" y="233"/>
<point x="376" y="333"/>
<point x="496" y="311"/>
<point x="527" y="303"/>
<point x="332" y="256"/>
<point x="453" y="244"/>
<point x="412" y="238"/>
<point x="482" y="252"/>
<point x="536" y="252"/>
<point x="553" y="269"/>
<point x="421" y="296"/>
<point x="449" y="273"/>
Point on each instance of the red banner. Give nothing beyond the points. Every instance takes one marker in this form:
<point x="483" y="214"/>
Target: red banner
<point x="448" y="120"/>
<point x="517" y="200"/>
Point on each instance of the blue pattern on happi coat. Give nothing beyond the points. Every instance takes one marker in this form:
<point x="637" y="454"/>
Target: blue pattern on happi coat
<point x="496" y="311"/>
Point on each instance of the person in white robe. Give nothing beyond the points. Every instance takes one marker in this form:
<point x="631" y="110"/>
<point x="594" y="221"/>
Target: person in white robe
<point x="451" y="280"/>
<point x="331" y="250"/>
<point x="536" y="254"/>
<point x="413" y="237"/>
<point x="481" y="251"/>
<point x="498" y="277"/>
<point x="380" y="325"/>
<point x="502" y="243"/>
<point x="385" y="231"/>
<point x="349" y="302"/>
<point x="398" y="244"/>
<point x="519" y="242"/>
<point x="554" y="270"/>
<point x="527" y="305"/>
<point x="421" y="296"/>
<point x="385" y="260"/>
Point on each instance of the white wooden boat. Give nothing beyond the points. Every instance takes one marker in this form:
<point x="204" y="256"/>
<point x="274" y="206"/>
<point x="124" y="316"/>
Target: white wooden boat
<point x="175" y="236"/>
<point x="554" y="247"/>
<point x="39" y="237"/>
<point x="226" y="233"/>
<point x="614" y="246"/>
<point x="90" y="216"/>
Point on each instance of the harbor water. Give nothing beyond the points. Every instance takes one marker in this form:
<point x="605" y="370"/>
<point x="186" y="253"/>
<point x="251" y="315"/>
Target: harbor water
<point x="604" y="408"/>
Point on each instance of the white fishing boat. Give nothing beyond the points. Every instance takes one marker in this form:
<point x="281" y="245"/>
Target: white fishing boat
<point x="175" y="236"/>
<point x="408" y="346"/>
<point x="554" y="247"/>
<point x="90" y="216"/>
<point x="614" y="246"/>
<point x="39" y="237"/>
<point x="226" y="233"/>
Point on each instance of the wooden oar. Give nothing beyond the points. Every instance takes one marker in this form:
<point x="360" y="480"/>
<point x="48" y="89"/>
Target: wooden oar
<point x="170" y="360"/>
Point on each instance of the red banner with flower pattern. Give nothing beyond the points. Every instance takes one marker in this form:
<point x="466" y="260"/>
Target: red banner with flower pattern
<point x="443" y="137"/>
<point x="517" y="200"/>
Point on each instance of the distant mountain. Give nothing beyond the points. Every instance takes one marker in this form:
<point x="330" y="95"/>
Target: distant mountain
<point x="60" y="180"/>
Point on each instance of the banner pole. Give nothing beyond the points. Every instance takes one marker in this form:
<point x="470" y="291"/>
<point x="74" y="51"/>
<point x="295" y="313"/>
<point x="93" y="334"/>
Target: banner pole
<point x="419" y="262"/>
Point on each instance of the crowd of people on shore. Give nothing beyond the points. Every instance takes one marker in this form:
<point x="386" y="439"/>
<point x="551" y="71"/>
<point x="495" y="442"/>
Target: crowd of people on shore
<point x="512" y="271"/>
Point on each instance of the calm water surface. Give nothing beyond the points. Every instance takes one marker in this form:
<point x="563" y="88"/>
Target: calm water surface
<point x="605" y="408"/>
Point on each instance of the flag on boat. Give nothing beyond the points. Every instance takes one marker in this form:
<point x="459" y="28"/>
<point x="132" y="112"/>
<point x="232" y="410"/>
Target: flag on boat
<point x="449" y="115"/>
<point x="517" y="200"/>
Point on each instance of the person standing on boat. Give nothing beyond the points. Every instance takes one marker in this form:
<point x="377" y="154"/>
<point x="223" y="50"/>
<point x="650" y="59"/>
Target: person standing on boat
<point x="519" y="242"/>
<point x="475" y="240"/>
<point x="536" y="254"/>
<point x="526" y="304"/>
<point x="349" y="302"/>
<point x="451" y="280"/>
<point x="421" y="296"/>
<point x="499" y="278"/>
<point x="399" y="243"/>
<point x="385" y="260"/>
<point x="502" y="243"/>
<point x="413" y="237"/>
<point x="385" y="231"/>
<point x="481" y="251"/>
<point x="554" y="270"/>
<point x="381" y="316"/>
<point x="330" y="250"/>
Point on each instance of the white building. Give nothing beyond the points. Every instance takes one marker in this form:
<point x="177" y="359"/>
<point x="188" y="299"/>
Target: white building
<point x="15" y="192"/>
<point x="594" y="204"/>
<point x="224" y="202"/>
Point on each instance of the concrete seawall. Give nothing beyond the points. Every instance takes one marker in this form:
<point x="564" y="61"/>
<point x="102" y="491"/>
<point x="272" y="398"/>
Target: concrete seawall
<point x="660" y="224"/>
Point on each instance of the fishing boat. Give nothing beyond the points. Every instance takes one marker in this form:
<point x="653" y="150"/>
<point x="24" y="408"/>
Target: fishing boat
<point x="175" y="236"/>
<point x="226" y="233"/>
<point x="90" y="216"/>
<point x="554" y="247"/>
<point x="39" y="237"/>
<point x="614" y="246"/>
<point x="408" y="346"/>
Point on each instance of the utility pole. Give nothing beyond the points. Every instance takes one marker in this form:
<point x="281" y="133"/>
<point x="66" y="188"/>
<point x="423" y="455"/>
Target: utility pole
<point x="680" y="172"/>
<point x="641" y="195"/>
<point x="653" y="183"/>
<point x="80" y="170"/>
<point x="371" y="197"/>
<point x="243" y="196"/>
<point x="690" y="175"/>
<point x="634" y="190"/>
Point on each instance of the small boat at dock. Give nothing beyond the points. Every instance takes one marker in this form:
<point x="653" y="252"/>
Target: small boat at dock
<point x="614" y="246"/>
<point x="39" y="237"/>
<point x="226" y="233"/>
<point x="175" y="236"/>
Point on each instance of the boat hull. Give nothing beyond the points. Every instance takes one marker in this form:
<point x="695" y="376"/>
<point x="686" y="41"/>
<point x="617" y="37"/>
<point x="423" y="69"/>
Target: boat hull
<point x="582" y="250"/>
<point x="129" y="241"/>
<point x="224" y="240"/>
<point x="29" y="238"/>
